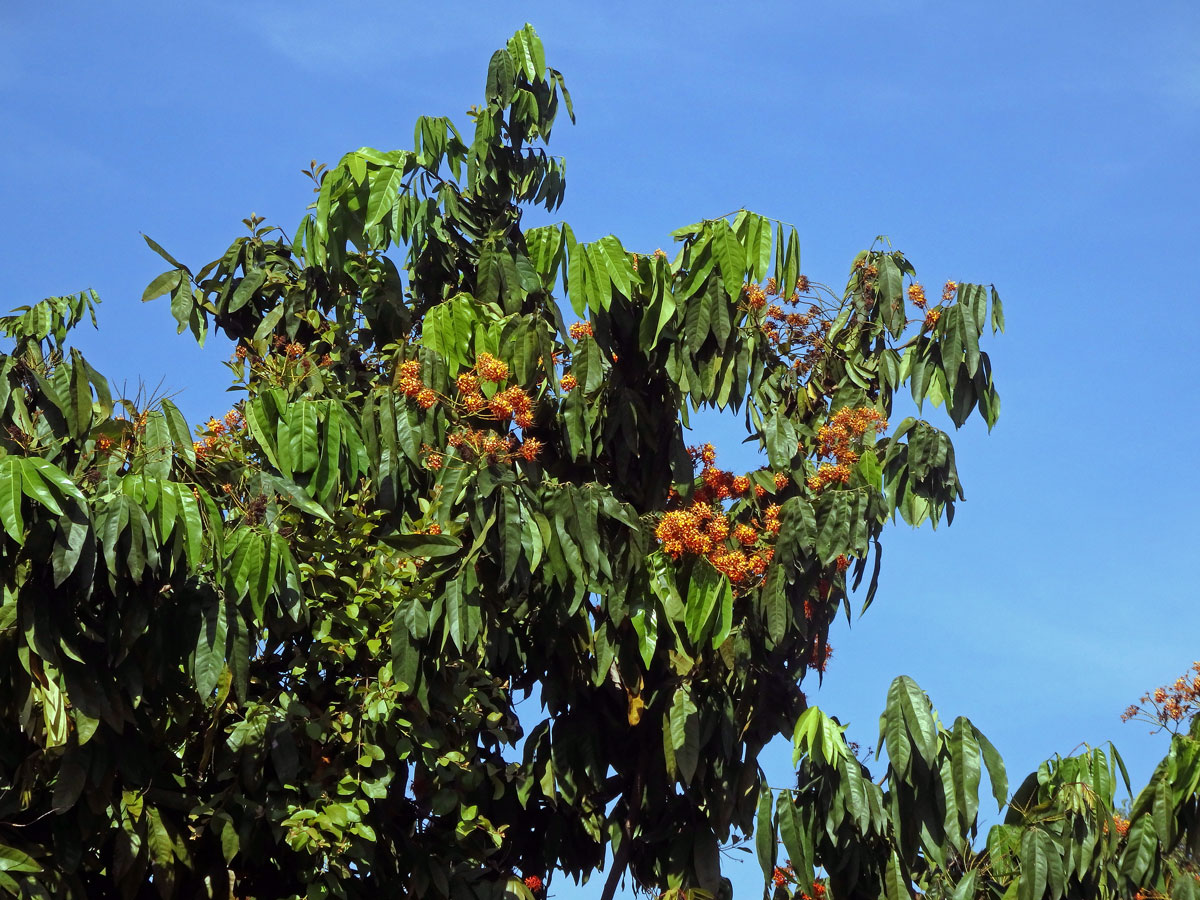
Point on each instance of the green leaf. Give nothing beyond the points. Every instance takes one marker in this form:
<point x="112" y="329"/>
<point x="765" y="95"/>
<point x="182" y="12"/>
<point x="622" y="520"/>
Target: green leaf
<point x="302" y="430"/>
<point x="246" y="289"/>
<point x="764" y="829"/>
<point x="179" y="432"/>
<point x="154" y="245"/>
<point x="706" y="589"/>
<point x="774" y="599"/>
<point x="796" y="841"/>
<point x="156" y="446"/>
<point x="645" y="624"/>
<point x="36" y="488"/>
<point x="11" y="483"/>
<point x="966" y="772"/>
<point x="499" y="87"/>
<point x="896" y="885"/>
<point x="995" y="768"/>
<point x="424" y="545"/>
<point x="385" y="187"/>
<point x="685" y="733"/>
<point x="210" y="646"/>
<point x="907" y="700"/>
<point x="780" y="439"/>
<point x="163" y="284"/>
<point x="14" y="860"/>
<point x="731" y="257"/>
<point x="1141" y="849"/>
<point x="1035" y="866"/>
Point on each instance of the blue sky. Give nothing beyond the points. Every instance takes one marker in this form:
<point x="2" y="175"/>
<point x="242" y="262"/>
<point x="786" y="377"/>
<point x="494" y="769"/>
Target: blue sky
<point x="1048" y="148"/>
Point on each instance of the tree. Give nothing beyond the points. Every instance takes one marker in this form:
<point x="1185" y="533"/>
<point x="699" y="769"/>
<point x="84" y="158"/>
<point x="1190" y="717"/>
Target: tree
<point x="1062" y="834"/>
<point x="284" y="659"/>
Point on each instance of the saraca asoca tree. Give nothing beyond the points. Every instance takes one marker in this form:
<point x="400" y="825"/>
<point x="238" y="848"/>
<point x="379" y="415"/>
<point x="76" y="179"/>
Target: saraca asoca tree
<point x="282" y="656"/>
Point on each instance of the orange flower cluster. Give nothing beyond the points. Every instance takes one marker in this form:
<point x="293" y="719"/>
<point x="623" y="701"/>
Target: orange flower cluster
<point x="948" y="291"/>
<point x="771" y="519"/>
<point x="512" y="403"/>
<point x="848" y="425"/>
<point x="782" y="480"/>
<point x="842" y="563"/>
<point x="1121" y="824"/>
<point x="931" y="319"/>
<point x="408" y="378"/>
<point x="916" y="294"/>
<point x="533" y="883"/>
<point x="474" y="443"/>
<point x="433" y="459"/>
<point x="802" y="285"/>
<point x="569" y="383"/>
<point x="779" y="877"/>
<point x="702" y="530"/>
<point x="103" y="443"/>
<point x="697" y="530"/>
<point x="220" y="434"/>
<point x="479" y="443"/>
<point x="755" y="295"/>
<point x="837" y="441"/>
<point x="829" y="474"/>
<point x="294" y="350"/>
<point x="580" y="330"/>
<point x="1168" y="706"/>
<point x="491" y="369"/>
<point x="745" y="535"/>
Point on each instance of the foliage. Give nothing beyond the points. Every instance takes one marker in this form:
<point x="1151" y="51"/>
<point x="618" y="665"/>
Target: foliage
<point x="1062" y="835"/>
<point x="284" y="656"/>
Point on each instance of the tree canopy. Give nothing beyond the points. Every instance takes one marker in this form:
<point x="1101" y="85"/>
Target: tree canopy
<point x="282" y="654"/>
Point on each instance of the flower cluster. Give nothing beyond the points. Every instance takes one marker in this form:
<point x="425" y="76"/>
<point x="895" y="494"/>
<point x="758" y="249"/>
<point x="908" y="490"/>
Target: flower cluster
<point x="512" y="403"/>
<point x="533" y="883"/>
<point x="802" y="332"/>
<point x="786" y="876"/>
<point x="1168" y="706"/>
<point x="704" y="530"/>
<point x="847" y="426"/>
<point x="931" y="319"/>
<point x="569" y="383"/>
<point x="580" y="330"/>
<point x="220" y="434"/>
<point x="948" y="291"/>
<point x="916" y="293"/>
<point x="839" y="439"/>
<point x="741" y="552"/>
<point x="408" y="378"/>
<point x="756" y="297"/>
<point x="473" y="443"/>
<point x="491" y="369"/>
